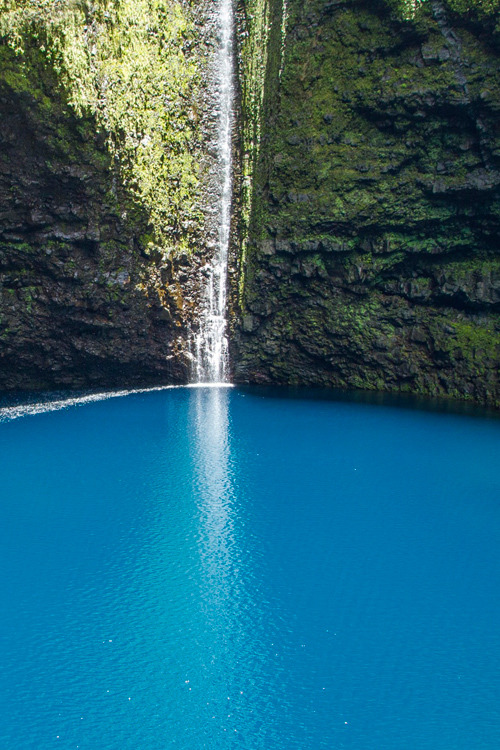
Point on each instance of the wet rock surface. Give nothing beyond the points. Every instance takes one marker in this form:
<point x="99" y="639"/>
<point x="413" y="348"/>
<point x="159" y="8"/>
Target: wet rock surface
<point x="86" y="299"/>
<point x="78" y="297"/>
<point x="366" y="213"/>
<point x="372" y="252"/>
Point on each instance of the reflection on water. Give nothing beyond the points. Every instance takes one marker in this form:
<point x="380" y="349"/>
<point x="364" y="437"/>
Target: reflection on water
<point x="217" y="512"/>
<point x="209" y="568"/>
<point x="213" y="486"/>
<point x="238" y="633"/>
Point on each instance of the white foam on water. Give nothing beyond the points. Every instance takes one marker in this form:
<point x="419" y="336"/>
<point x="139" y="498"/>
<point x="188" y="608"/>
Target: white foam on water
<point x="9" y="413"/>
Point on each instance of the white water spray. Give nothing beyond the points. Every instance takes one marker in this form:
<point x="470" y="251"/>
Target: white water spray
<point x="211" y="344"/>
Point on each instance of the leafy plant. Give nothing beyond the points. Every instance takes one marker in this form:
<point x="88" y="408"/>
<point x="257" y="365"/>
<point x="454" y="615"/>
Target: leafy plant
<point x="128" y="62"/>
<point x="482" y="8"/>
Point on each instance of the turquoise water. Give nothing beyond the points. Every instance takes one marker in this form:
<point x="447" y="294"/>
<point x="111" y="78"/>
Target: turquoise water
<point x="218" y="568"/>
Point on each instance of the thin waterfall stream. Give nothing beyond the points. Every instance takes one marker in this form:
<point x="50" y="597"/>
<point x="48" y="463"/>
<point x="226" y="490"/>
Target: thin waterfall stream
<point x="211" y="343"/>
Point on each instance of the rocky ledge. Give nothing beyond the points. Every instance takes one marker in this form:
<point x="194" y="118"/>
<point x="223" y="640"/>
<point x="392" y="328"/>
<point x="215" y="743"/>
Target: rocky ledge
<point x="372" y="252"/>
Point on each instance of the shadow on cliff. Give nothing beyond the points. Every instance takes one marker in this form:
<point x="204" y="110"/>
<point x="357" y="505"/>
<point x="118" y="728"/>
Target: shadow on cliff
<point x="83" y="301"/>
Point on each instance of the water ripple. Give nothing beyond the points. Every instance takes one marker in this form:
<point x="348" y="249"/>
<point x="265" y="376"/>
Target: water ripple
<point x="203" y="568"/>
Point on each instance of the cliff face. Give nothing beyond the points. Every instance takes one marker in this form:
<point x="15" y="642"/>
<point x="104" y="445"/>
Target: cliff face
<point x="367" y="203"/>
<point x="106" y="185"/>
<point x="71" y="263"/>
<point x="370" y="199"/>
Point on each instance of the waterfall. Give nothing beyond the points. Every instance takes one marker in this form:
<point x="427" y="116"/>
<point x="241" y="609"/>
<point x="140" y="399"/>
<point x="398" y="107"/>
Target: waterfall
<point x="211" y="343"/>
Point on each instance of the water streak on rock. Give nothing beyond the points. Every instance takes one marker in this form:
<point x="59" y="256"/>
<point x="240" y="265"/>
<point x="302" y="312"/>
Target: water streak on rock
<point x="211" y="344"/>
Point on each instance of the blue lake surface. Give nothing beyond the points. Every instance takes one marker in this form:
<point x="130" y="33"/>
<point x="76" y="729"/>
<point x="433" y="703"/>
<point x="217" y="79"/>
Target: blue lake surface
<point x="222" y="568"/>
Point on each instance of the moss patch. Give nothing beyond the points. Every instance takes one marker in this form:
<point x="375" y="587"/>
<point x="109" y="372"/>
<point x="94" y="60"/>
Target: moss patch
<point x="130" y="65"/>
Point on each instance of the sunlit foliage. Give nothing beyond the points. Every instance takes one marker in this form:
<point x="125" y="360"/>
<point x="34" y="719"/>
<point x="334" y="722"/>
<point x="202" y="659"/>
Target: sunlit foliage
<point x="481" y="8"/>
<point x="128" y="63"/>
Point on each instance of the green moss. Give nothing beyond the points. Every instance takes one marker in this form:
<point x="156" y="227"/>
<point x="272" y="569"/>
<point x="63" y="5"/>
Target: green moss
<point x="483" y="8"/>
<point x="371" y="210"/>
<point x="28" y="296"/>
<point x="19" y="247"/>
<point x="127" y="64"/>
<point x="481" y="268"/>
<point x="478" y="342"/>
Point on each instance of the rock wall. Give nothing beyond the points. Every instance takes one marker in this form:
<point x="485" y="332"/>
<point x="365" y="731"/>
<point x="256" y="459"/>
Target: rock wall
<point x="369" y="200"/>
<point x="107" y="181"/>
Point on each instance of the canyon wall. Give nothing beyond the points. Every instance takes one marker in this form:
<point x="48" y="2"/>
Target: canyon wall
<point x="369" y="199"/>
<point x="107" y="185"/>
<point x="365" y="237"/>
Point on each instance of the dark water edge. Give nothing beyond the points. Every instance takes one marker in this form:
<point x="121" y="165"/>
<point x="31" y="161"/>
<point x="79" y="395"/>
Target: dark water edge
<point x="377" y="398"/>
<point x="10" y="399"/>
<point x="14" y="404"/>
<point x="24" y="398"/>
<point x="229" y="568"/>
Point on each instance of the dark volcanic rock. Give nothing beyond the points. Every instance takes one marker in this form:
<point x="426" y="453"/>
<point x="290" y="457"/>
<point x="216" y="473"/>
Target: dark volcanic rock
<point x="78" y="303"/>
<point x="371" y="201"/>
<point x="88" y="294"/>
